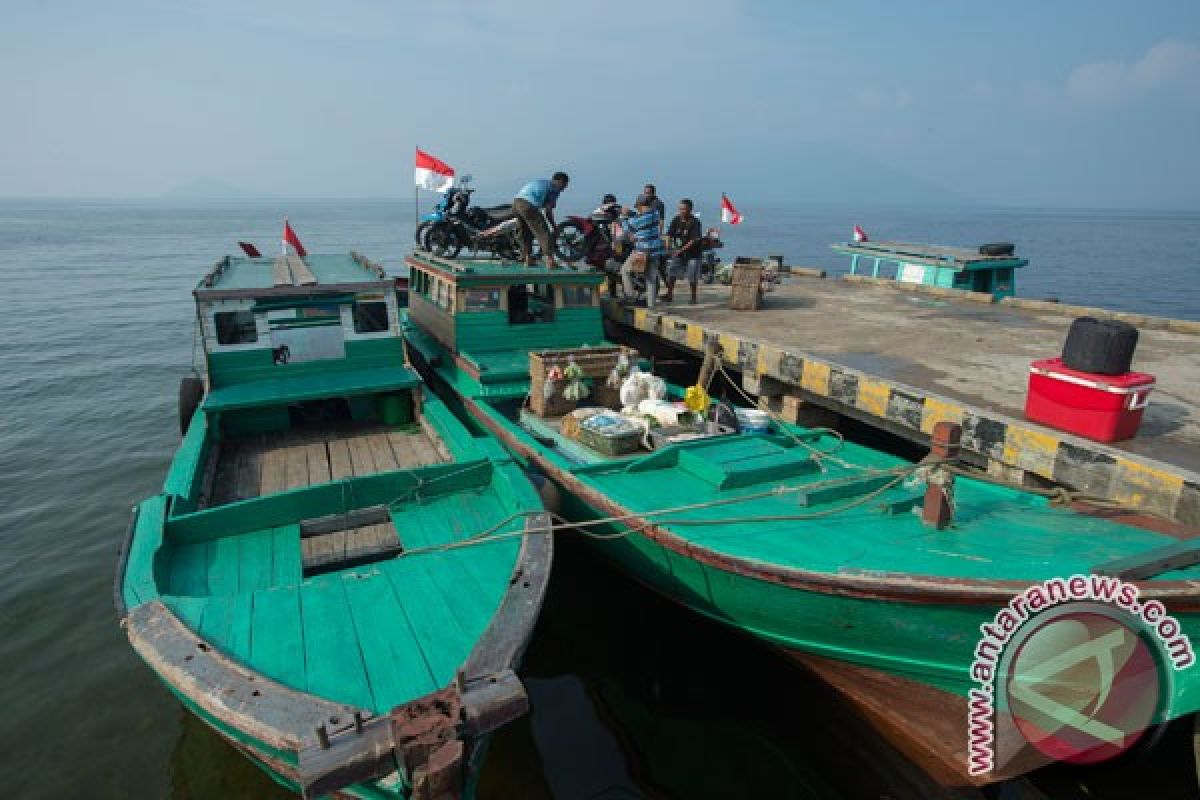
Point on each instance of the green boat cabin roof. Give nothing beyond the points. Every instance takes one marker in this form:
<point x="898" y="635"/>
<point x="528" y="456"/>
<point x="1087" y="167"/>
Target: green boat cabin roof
<point x="290" y="275"/>
<point x="498" y="272"/>
<point x="957" y="258"/>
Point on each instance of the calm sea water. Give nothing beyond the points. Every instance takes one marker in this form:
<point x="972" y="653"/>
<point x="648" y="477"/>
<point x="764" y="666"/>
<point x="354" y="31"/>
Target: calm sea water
<point x="632" y="698"/>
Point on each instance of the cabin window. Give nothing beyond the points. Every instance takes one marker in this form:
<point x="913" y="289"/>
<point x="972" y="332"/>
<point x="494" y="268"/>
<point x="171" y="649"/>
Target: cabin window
<point x="235" y="327"/>
<point x="481" y="299"/>
<point x="370" y="317"/>
<point x="577" y="296"/>
<point x="530" y="303"/>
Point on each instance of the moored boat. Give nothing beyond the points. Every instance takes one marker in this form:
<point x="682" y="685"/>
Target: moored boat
<point x="850" y="560"/>
<point x="300" y="582"/>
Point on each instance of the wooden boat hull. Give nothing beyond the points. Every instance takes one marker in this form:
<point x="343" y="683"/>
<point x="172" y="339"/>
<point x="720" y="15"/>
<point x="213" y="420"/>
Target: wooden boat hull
<point x="291" y="728"/>
<point x="897" y="630"/>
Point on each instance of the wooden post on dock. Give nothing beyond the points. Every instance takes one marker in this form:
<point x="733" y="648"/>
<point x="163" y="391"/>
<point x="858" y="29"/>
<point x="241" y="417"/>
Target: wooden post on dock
<point x="938" y="510"/>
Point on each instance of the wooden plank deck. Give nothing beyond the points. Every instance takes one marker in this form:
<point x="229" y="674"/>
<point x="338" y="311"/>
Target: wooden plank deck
<point x="262" y="464"/>
<point x="353" y="544"/>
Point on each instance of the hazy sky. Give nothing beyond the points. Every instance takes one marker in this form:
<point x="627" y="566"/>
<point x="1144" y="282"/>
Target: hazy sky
<point x="1089" y="103"/>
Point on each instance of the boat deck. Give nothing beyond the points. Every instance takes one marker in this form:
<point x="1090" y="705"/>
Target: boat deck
<point x="262" y="464"/>
<point x="901" y="358"/>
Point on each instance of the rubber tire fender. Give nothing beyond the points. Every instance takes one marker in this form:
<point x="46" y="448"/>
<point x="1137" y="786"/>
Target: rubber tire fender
<point x="191" y="392"/>
<point x="1100" y="346"/>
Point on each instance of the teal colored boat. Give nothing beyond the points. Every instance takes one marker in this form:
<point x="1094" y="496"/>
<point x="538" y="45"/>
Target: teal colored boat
<point x="814" y="545"/>
<point x="299" y="582"/>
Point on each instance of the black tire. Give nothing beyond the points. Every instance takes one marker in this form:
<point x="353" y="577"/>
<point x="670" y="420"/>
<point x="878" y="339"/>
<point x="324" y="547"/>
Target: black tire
<point x="478" y="218"/>
<point x="1100" y="346"/>
<point x="443" y="241"/>
<point x="570" y="241"/>
<point x="997" y="249"/>
<point x="420" y="234"/>
<point x="191" y="392"/>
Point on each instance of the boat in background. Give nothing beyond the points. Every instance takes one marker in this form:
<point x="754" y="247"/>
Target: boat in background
<point x="301" y="582"/>
<point x="850" y="560"/>
<point x="990" y="268"/>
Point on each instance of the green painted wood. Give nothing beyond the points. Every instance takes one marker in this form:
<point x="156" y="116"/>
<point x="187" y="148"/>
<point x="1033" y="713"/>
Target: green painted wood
<point x="241" y="628"/>
<point x="334" y="663"/>
<point x="217" y="624"/>
<point x="481" y="332"/>
<point x="186" y="473"/>
<point x="281" y="390"/>
<point x="141" y="580"/>
<point x="277" y="637"/>
<point x="223" y="565"/>
<point x="393" y="654"/>
<point x="190" y="610"/>
<point x="446" y="636"/>
<point x="243" y="366"/>
<point x="255" y="556"/>
<point x="189" y="569"/>
<point x="286" y="561"/>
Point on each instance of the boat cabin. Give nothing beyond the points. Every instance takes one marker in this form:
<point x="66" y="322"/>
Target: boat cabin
<point x="490" y="314"/>
<point x="305" y="378"/>
<point x="278" y="332"/>
<point x="990" y="269"/>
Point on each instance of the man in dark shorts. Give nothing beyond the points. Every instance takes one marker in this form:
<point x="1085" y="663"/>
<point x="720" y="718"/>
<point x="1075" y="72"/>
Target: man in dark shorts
<point x="686" y="240"/>
<point x="534" y="207"/>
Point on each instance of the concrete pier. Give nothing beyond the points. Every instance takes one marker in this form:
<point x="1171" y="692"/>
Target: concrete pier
<point x="904" y="357"/>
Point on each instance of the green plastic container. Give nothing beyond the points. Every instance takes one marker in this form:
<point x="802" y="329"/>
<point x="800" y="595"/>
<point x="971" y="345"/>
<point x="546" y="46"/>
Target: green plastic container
<point x="396" y="409"/>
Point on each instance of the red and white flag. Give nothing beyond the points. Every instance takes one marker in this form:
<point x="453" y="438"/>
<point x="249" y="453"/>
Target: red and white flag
<point x="290" y="237"/>
<point x="432" y="173"/>
<point x="859" y="234"/>
<point x="728" y="212"/>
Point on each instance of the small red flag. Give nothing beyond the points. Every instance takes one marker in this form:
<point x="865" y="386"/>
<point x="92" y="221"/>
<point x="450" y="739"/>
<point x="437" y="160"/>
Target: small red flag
<point x="859" y="234"/>
<point x="290" y="237"/>
<point x="728" y="212"/>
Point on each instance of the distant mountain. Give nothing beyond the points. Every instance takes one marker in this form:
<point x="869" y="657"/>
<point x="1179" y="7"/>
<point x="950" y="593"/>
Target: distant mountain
<point x="209" y="189"/>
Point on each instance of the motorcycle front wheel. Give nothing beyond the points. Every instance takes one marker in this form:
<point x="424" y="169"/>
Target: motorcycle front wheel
<point x="421" y="231"/>
<point x="570" y="241"/>
<point x="443" y="241"/>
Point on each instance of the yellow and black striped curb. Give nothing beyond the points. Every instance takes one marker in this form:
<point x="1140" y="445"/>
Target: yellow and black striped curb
<point x="1078" y="463"/>
<point x="1147" y="321"/>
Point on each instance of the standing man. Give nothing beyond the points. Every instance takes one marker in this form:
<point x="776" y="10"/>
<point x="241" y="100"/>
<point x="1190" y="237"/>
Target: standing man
<point x="686" y="240"/>
<point x="534" y="207"/>
<point x="650" y="195"/>
<point x="645" y="229"/>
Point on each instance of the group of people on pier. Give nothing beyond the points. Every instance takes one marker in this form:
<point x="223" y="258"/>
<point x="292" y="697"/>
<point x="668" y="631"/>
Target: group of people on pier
<point x="660" y="251"/>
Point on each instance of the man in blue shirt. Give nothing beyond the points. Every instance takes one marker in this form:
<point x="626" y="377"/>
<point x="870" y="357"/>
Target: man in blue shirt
<point x="645" y="228"/>
<point x="534" y="207"/>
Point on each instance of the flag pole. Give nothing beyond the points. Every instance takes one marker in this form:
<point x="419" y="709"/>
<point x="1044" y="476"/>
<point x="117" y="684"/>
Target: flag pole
<point x="416" y="213"/>
<point x="283" y="239"/>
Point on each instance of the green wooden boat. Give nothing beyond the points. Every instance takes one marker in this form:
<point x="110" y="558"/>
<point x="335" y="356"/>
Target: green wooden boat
<point x="298" y="583"/>
<point x="809" y="543"/>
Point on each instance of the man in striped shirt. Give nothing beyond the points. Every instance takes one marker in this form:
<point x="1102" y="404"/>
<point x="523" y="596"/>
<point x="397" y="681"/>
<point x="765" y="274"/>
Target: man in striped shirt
<point x="645" y="228"/>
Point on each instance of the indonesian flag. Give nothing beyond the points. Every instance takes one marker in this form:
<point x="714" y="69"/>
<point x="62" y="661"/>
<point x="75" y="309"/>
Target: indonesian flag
<point x="859" y="234"/>
<point x="290" y="237"/>
<point x="728" y="212"/>
<point x="432" y="173"/>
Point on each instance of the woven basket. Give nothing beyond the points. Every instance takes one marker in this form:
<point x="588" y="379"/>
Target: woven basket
<point x="596" y="363"/>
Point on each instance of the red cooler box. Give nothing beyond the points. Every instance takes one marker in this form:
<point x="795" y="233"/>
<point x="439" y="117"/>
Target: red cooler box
<point x="1107" y="408"/>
